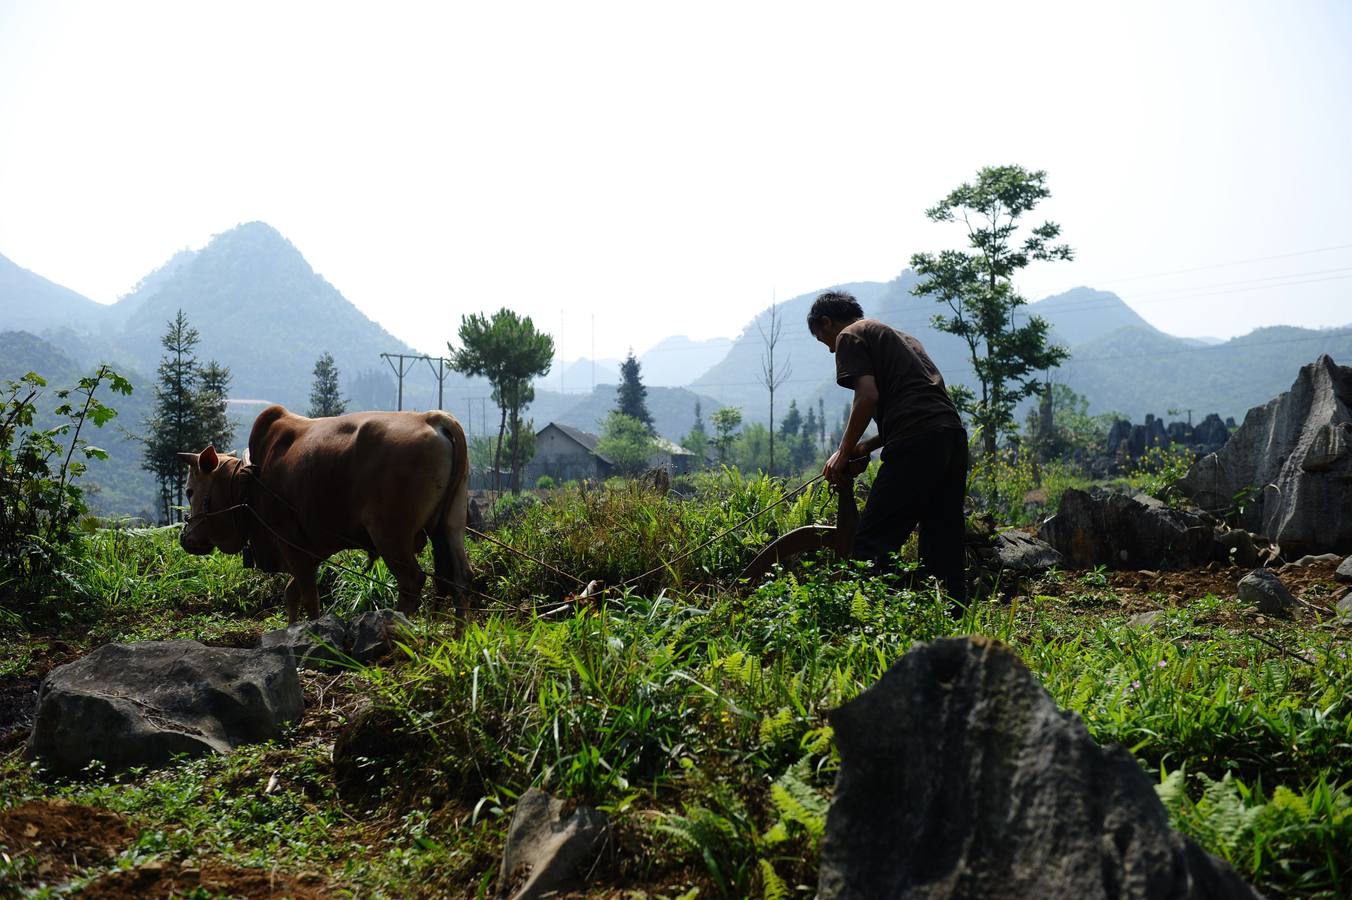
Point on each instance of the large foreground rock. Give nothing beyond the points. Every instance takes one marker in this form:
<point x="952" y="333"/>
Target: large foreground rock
<point x="1121" y="532"/>
<point x="961" y="778"/>
<point x="128" y="705"/>
<point x="1295" y="455"/>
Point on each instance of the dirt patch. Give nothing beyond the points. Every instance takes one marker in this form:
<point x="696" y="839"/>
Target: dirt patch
<point x="62" y="837"/>
<point x="171" y="879"/>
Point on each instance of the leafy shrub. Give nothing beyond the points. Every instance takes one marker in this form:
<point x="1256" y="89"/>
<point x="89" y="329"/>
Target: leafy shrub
<point x="1159" y="470"/>
<point x="40" y="501"/>
<point x="510" y="508"/>
<point x="544" y="483"/>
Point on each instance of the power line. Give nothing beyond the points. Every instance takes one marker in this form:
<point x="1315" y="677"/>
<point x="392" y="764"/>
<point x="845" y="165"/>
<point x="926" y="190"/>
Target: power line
<point x="1238" y="262"/>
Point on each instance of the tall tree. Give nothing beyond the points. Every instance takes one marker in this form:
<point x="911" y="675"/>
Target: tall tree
<point x="977" y="286"/>
<point x="212" y="416"/>
<point x="726" y="422"/>
<point x="325" y="397"/>
<point x="772" y="375"/>
<point x="792" y="422"/>
<point x="509" y="352"/>
<point x="632" y="397"/>
<point x="697" y="440"/>
<point x="174" y="423"/>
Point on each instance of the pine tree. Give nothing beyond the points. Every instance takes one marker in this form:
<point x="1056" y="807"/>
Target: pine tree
<point x="697" y="440"/>
<point x="631" y="399"/>
<point x="325" y="397"/>
<point x="810" y="426"/>
<point x="792" y="421"/>
<point x="212" y="419"/>
<point x="173" y="426"/>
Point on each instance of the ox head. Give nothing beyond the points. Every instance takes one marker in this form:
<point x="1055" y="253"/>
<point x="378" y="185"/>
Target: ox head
<point x="215" y="484"/>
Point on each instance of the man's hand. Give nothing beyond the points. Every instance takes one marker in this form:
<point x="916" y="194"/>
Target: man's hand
<point x="842" y="466"/>
<point x="834" y="470"/>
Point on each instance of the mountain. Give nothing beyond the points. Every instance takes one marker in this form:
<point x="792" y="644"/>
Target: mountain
<point x="1134" y="371"/>
<point x="29" y="302"/>
<point x="1083" y="314"/>
<point x="581" y="377"/>
<point x="673" y="361"/>
<point x="265" y="313"/>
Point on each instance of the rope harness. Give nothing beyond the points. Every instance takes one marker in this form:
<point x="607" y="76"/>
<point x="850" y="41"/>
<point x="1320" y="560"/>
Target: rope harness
<point x="250" y="476"/>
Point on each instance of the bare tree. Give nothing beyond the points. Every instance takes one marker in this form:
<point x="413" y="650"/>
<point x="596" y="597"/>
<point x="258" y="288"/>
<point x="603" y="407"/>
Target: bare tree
<point x="772" y="376"/>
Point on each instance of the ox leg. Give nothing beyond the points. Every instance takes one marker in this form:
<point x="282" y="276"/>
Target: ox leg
<point x="448" y="552"/>
<point x="457" y="519"/>
<point x="302" y="589"/>
<point x="401" y="558"/>
<point x="410" y="577"/>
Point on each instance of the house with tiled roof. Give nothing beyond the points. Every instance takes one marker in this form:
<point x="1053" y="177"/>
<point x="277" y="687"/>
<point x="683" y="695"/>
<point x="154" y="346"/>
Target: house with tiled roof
<point x="565" y="453"/>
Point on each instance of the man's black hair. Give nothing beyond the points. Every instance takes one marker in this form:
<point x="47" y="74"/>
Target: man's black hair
<point x="838" y="305"/>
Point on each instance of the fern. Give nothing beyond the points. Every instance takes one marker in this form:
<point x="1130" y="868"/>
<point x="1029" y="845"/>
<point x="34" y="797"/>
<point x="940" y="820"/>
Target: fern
<point x="798" y="803"/>
<point x="860" y="609"/>
<point x="776" y="728"/>
<point x="772" y="886"/>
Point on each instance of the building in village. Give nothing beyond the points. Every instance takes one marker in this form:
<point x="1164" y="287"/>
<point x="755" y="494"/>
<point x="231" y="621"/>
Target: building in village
<point x="565" y="453"/>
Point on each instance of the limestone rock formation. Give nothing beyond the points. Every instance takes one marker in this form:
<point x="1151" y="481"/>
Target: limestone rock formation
<point x="1294" y="456"/>
<point x="960" y="778"/>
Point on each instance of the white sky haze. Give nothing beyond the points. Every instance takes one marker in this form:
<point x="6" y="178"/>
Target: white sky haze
<point x="664" y="168"/>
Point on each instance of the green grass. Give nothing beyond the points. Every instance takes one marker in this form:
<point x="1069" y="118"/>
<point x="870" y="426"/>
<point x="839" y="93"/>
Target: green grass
<point x="694" y="712"/>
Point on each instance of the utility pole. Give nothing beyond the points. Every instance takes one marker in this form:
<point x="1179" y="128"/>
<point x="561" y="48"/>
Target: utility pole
<point x="406" y="361"/>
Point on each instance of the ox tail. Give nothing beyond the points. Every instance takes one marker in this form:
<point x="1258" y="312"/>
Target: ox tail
<point x="448" y="530"/>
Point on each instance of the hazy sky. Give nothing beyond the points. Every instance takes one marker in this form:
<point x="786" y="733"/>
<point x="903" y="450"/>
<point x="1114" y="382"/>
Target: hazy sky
<point x="665" y="168"/>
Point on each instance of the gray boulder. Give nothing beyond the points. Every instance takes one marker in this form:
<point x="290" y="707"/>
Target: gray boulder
<point x="1295" y="453"/>
<point x="372" y="634"/>
<point x="550" y="851"/>
<point x="1024" y="554"/>
<point x="960" y="778"/>
<point x="1121" y="532"/>
<point x="1344" y="608"/>
<point x="128" y="705"/>
<point x="1343" y="573"/>
<point x="1315" y="559"/>
<point x="1264" y="591"/>
<point x="317" y="644"/>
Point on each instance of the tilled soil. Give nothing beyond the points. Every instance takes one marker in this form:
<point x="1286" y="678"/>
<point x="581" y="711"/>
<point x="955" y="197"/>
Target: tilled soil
<point x="62" y="837"/>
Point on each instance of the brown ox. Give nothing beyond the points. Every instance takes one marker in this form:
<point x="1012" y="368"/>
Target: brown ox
<point x="382" y="482"/>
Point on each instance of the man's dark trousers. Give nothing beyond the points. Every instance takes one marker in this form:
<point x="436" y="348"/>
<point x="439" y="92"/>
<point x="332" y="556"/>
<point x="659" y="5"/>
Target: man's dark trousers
<point x="922" y="482"/>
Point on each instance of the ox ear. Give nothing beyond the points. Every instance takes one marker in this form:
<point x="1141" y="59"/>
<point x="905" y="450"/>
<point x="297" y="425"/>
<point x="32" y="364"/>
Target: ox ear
<point x="189" y="458"/>
<point x="207" y="460"/>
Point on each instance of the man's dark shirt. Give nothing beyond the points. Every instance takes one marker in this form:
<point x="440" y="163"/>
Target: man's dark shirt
<point x="912" y="398"/>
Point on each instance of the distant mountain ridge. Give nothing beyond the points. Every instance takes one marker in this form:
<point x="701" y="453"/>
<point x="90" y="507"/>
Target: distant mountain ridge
<point x="29" y="302"/>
